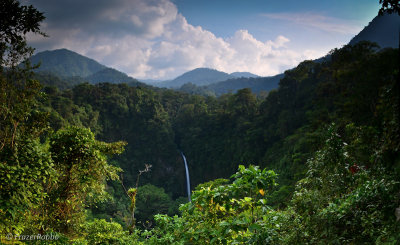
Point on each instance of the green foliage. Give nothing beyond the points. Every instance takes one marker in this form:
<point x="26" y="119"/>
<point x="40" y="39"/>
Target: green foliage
<point x="24" y="173"/>
<point x="63" y="68"/>
<point x="345" y="199"/>
<point x="282" y="131"/>
<point x="19" y="118"/>
<point x="344" y="176"/>
<point x="110" y="75"/>
<point x="151" y="200"/>
<point x="16" y="21"/>
<point x="66" y="63"/>
<point x="82" y="168"/>
<point x="233" y="213"/>
<point x="258" y="85"/>
<point x="103" y="232"/>
<point x="349" y="171"/>
<point x="52" y="81"/>
<point x="25" y="165"/>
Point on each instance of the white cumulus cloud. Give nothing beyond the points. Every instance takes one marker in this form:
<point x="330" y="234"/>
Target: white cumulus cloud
<point x="151" y="39"/>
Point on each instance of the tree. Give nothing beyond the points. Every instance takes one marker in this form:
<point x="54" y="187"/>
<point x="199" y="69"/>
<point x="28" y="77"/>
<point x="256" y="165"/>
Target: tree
<point x="151" y="200"/>
<point x="17" y="89"/>
<point x="132" y="193"/>
<point x="344" y="198"/>
<point x="389" y="6"/>
<point x="222" y="213"/>
<point x="103" y="232"/>
<point x="82" y="169"/>
<point x="16" y="21"/>
<point x="24" y="172"/>
<point x="24" y="163"/>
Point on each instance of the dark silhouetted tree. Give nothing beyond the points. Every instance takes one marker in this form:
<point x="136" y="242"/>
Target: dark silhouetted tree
<point x="389" y="6"/>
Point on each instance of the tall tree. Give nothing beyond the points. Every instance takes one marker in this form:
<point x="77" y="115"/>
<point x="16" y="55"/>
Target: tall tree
<point x="82" y="169"/>
<point x="17" y="89"/>
<point x="24" y="164"/>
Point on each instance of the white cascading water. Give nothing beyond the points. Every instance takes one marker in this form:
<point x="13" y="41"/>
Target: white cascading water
<point x="187" y="176"/>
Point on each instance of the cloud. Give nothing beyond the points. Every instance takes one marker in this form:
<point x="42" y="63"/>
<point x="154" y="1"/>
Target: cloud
<point x="318" y="21"/>
<point x="151" y="39"/>
<point x="264" y="58"/>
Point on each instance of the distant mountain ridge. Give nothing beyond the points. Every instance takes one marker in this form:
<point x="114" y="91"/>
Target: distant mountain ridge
<point x="383" y="30"/>
<point x="198" y="76"/>
<point x="69" y="66"/>
<point x="202" y="77"/>
<point x="243" y="74"/>
<point x="256" y="84"/>
<point x="66" y="63"/>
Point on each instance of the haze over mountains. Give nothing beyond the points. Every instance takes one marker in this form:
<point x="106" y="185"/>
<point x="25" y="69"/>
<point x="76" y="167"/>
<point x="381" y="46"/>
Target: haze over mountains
<point x="243" y="74"/>
<point x="257" y="84"/>
<point x="203" y="76"/>
<point x="68" y="66"/>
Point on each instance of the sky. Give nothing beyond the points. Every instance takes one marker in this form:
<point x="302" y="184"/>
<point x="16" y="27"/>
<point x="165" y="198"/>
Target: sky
<point x="161" y="39"/>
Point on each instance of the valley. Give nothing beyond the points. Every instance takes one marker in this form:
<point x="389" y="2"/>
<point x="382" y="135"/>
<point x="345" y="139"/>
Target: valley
<point x="91" y="155"/>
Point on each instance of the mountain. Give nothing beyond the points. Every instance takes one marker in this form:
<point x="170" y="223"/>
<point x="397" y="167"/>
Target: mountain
<point x="255" y="84"/>
<point x="232" y="85"/>
<point x="384" y="30"/>
<point x="198" y="77"/>
<point x="64" y="68"/>
<point x="243" y="74"/>
<point x="71" y="66"/>
<point x="212" y="82"/>
<point x="154" y="82"/>
<point x="109" y="75"/>
<point x="66" y="63"/>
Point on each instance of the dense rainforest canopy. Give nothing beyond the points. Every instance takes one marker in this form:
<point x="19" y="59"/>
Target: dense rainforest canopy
<point x="314" y="162"/>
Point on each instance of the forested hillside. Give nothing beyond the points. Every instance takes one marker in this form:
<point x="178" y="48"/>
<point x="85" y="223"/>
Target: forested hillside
<point x="199" y="76"/>
<point x="69" y="68"/>
<point x="66" y="63"/>
<point x="258" y="85"/>
<point x="314" y="162"/>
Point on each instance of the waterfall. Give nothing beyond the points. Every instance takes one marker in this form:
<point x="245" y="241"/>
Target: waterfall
<point x="187" y="176"/>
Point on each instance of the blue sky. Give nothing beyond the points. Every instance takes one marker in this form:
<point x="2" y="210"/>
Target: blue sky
<point x="230" y="14"/>
<point x="224" y="17"/>
<point x="161" y="39"/>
